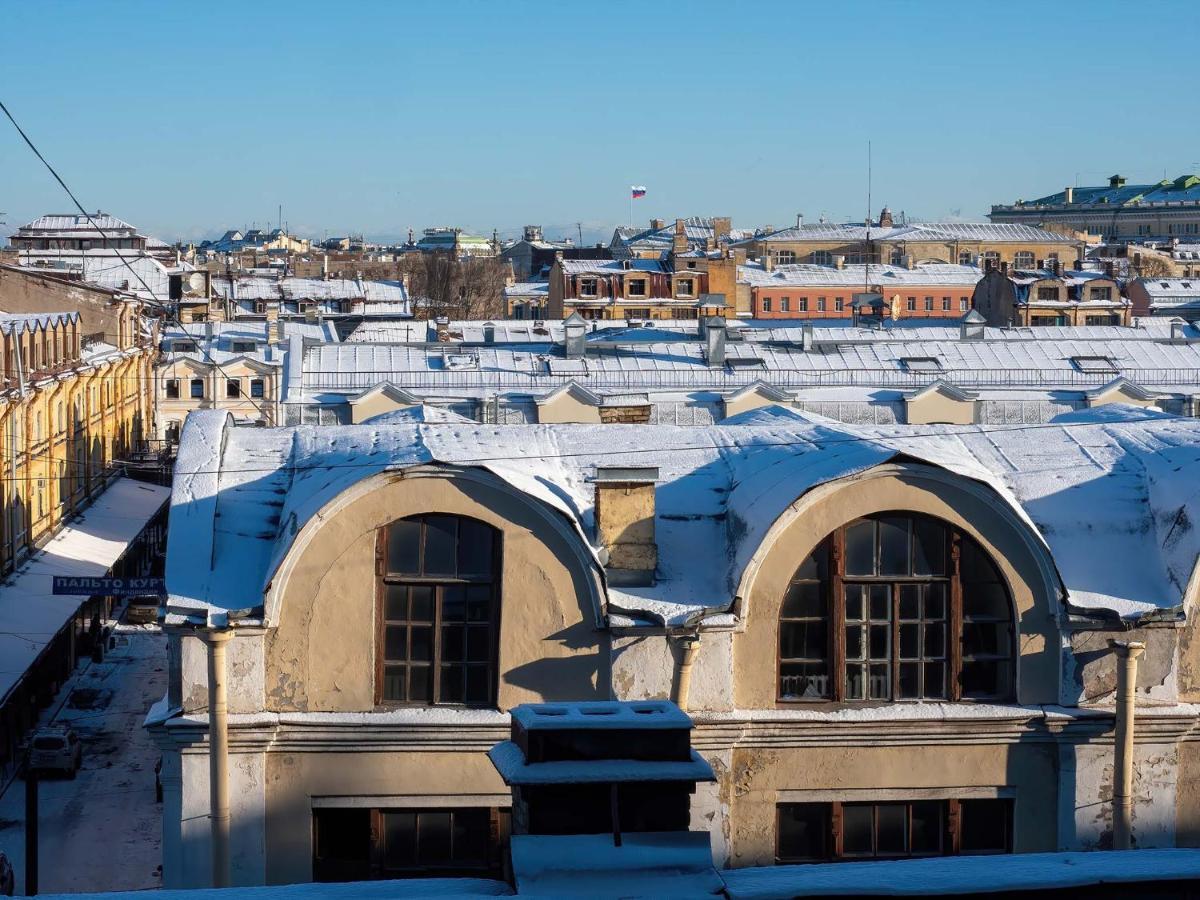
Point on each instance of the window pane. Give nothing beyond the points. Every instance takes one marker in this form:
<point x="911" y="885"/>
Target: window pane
<point x="477" y="688"/>
<point x="935" y="601"/>
<point x="395" y="642"/>
<point x="891" y="833"/>
<point x="400" y="844"/>
<point x="880" y="637"/>
<point x="454" y="603"/>
<point x="935" y="680"/>
<point x="805" y="680"/>
<point x="393" y="683"/>
<point x="479" y="639"/>
<point x="422" y="603"/>
<point x="929" y="547"/>
<point x="935" y="640"/>
<point x="433" y="838"/>
<point x="894" y="553"/>
<point x="987" y="638"/>
<point x="986" y="678"/>
<point x="472" y="834"/>
<point x="395" y="604"/>
<point x="804" y="601"/>
<point x="452" y="643"/>
<point x="926" y="827"/>
<point x="422" y="643"/>
<point x="910" y="687"/>
<point x="854" y="602"/>
<point x="451" y="687"/>
<point x="440" y="540"/>
<point x="802" y="640"/>
<point x="910" y="601"/>
<point x="881" y="681"/>
<point x="860" y="548"/>
<point x="803" y="831"/>
<point x="910" y="636"/>
<point x="857" y="830"/>
<point x="474" y="548"/>
<point x="479" y="603"/>
<point x="881" y="602"/>
<point x="975" y="564"/>
<point x="816" y="566"/>
<point x="854" y="642"/>
<point x="419" y="684"/>
<point x="856" y="682"/>
<point x="985" y="825"/>
<point x="988" y="599"/>
<point x="404" y="544"/>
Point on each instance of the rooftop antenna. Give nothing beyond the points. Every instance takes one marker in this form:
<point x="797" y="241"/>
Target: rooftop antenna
<point x="867" y="267"/>
<point x="579" y="228"/>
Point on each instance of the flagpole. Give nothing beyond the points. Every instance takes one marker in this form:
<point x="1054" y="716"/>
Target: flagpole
<point x="631" y="207"/>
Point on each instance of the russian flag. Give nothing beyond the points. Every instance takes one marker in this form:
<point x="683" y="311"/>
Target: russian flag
<point x="639" y="190"/>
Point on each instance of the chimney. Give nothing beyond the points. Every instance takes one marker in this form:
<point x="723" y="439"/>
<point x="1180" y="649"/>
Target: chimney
<point x="679" y="243"/>
<point x="1069" y="195"/>
<point x="722" y="225"/>
<point x="714" y="341"/>
<point x="1109" y="268"/>
<point x="624" y="516"/>
<point x="1004" y="268"/>
<point x="575" y="335"/>
<point x="324" y="266"/>
<point x="768" y="261"/>
<point x="272" y="312"/>
<point x="489" y="332"/>
<point x="209" y="329"/>
<point x="839" y="262"/>
<point x="279" y="331"/>
<point x="442" y="324"/>
<point x="910" y="261"/>
<point x="806" y="337"/>
<point x="657" y="224"/>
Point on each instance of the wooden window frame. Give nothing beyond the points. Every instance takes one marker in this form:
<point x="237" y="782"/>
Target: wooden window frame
<point x="835" y="599"/>
<point x="383" y="579"/>
<point x="951" y="832"/>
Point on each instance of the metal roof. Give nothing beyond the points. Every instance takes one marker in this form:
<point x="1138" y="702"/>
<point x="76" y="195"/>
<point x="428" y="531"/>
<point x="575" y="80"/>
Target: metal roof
<point x="940" y="232"/>
<point x="856" y="275"/>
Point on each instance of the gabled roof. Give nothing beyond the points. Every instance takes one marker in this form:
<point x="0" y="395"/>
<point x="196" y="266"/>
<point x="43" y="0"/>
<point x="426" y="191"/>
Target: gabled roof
<point x="937" y="232"/>
<point x="946" y="389"/>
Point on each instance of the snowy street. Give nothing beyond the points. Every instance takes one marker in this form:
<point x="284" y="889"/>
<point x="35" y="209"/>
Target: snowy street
<point x="102" y="830"/>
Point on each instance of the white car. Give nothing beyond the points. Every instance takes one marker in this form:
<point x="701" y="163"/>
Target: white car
<point x="55" y="749"/>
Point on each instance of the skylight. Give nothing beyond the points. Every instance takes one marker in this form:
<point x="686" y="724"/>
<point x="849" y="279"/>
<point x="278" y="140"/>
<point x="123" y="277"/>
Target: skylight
<point x="1095" y="365"/>
<point x="567" y="366"/>
<point x="744" y="362"/>
<point x="921" y="364"/>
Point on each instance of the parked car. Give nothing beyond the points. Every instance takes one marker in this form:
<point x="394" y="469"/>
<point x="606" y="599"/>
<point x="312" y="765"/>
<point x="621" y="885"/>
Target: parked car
<point x="55" y="749"/>
<point x="142" y="609"/>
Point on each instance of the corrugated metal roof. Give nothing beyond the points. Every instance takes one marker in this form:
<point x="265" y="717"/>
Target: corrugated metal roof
<point x="78" y="224"/>
<point x="990" y="232"/>
<point x="856" y="275"/>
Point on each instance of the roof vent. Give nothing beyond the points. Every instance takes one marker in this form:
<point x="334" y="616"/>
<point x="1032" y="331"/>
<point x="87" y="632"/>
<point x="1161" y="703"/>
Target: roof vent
<point x="972" y="326"/>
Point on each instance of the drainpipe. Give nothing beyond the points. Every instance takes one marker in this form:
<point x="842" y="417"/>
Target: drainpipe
<point x="218" y="754"/>
<point x="1127" y="657"/>
<point x="690" y="646"/>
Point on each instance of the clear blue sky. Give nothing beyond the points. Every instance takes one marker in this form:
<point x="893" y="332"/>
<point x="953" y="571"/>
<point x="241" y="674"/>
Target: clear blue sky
<point x="187" y="118"/>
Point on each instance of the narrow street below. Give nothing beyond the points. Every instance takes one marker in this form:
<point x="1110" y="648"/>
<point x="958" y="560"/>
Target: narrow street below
<point x="102" y="830"/>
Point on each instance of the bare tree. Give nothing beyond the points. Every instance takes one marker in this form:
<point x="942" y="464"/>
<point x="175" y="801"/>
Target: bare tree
<point x="466" y="288"/>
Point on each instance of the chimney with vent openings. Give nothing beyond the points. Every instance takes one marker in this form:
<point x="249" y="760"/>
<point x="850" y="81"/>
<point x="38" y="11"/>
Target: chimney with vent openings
<point x="714" y="340"/>
<point x="624" y="516"/>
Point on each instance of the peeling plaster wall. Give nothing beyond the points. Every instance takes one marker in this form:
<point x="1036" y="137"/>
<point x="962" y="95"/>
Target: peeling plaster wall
<point x="1087" y="780"/>
<point x="1095" y="669"/>
<point x="244" y="672"/>
<point x="645" y="667"/>
<point x="710" y="806"/>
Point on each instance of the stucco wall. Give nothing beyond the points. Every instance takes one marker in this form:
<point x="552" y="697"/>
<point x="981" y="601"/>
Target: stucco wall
<point x="321" y="656"/>
<point x="935" y="407"/>
<point x="975" y="511"/>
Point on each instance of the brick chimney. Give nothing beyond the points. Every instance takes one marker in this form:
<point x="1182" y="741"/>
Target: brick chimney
<point x="624" y="515"/>
<point x="679" y="242"/>
<point x="657" y="224"/>
<point x="722" y="225"/>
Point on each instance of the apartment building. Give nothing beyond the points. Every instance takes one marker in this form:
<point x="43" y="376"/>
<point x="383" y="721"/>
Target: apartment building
<point x="1165" y="210"/>
<point x="1165" y="297"/>
<point x="924" y="291"/>
<point x="266" y="298"/>
<point x="898" y="640"/>
<point x="967" y="244"/>
<point x="662" y="237"/>
<point x="1046" y="297"/>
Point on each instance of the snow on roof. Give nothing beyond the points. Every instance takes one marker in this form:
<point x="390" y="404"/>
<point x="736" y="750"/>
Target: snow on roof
<point x="123" y="270"/>
<point x="647" y="864"/>
<point x="855" y="276"/>
<point x="289" y="288"/>
<point x="609" y="266"/>
<point x="528" y="289"/>
<point x="1172" y="288"/>
<point x="30" y="614"/>
<point x="242" y="494"/>
<point x="961" y="875"/>
<point x="74" y="223"/>
<point x="399" y="889"/>
<point x="988" y="232"/>
<point x="510" y="763"/>
<point x="19" y="323"/>
<point x="601" y="715"/>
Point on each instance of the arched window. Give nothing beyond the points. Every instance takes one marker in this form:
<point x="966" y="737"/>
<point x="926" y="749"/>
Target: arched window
<point x="438" y="612"/>
<point x="896" y="606"/>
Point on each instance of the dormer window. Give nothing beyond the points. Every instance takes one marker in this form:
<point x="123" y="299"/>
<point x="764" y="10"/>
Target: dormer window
<point x="588" y="287"/>
<point x="243" y="346"/>
<point x="636" y="287"/>
<point x="685" y="287"/>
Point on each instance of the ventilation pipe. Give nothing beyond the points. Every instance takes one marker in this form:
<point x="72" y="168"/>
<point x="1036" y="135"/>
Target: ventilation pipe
<point x="689" y="646"/>
<point x="1127" y="653"/>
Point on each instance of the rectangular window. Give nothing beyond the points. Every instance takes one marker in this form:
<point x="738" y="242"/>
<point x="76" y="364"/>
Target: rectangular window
<point x="1100" y="293"/>
<point x="357" y="844"/>
<point x="785" y="304"/>
<point x="1047" y="293"/>
<point x="588" y="287"/>
<point x="684" y="287"/>
<point x="820" y="304"/>
<point x="803" y="304"/>
<point x="928" y="304"/>
<point x="256" y="388"/>
<point x="900" y="829"/>
<point x="171" y="388"/>
<point x="197" y="387"/>
<point x="766" y="304"/>
<point x="839" y="304"/>
<point x="963" y="304"/>
<point x="946" y="304"/>
<point x="912" y="304"/>
<point x="233" y="388"/>
<point x="637" y="287"/>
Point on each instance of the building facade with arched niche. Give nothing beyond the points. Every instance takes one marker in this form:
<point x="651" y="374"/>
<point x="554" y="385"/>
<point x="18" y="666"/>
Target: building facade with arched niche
<point x="892" y="642"/>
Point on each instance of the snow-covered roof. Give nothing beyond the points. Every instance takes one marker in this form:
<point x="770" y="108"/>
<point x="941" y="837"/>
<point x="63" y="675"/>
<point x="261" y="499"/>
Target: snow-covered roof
<point x="18" y="323"/>
<point x="242" y="494"/>
<point x="987" y="232"/>
<point x="537" y="289"/>
<point x="77" y="225"/>
<point x="30" y="613"/>
<point x="510" y="763"/>
<point x="610" y="266"/>
<point x="289" y="288"/>
<point x="1176" y="289"/>
<point x="855" y="276"/>
<point x="125" y="270"/>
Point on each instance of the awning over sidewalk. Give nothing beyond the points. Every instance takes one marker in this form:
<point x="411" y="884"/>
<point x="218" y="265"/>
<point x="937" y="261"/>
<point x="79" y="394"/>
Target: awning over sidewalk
<point x="30" y="614"/>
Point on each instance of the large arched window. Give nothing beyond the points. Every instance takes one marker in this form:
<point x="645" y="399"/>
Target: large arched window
<point x="438" y="612"/>
<point x="896" y="606"/>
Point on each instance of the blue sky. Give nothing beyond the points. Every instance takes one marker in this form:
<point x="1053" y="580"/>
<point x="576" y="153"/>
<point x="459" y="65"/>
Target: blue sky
<point x="189" y="118"/>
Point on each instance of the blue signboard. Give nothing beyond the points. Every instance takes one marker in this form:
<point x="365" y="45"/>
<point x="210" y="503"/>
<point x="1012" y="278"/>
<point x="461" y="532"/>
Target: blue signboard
<point x="115" y="587"/>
